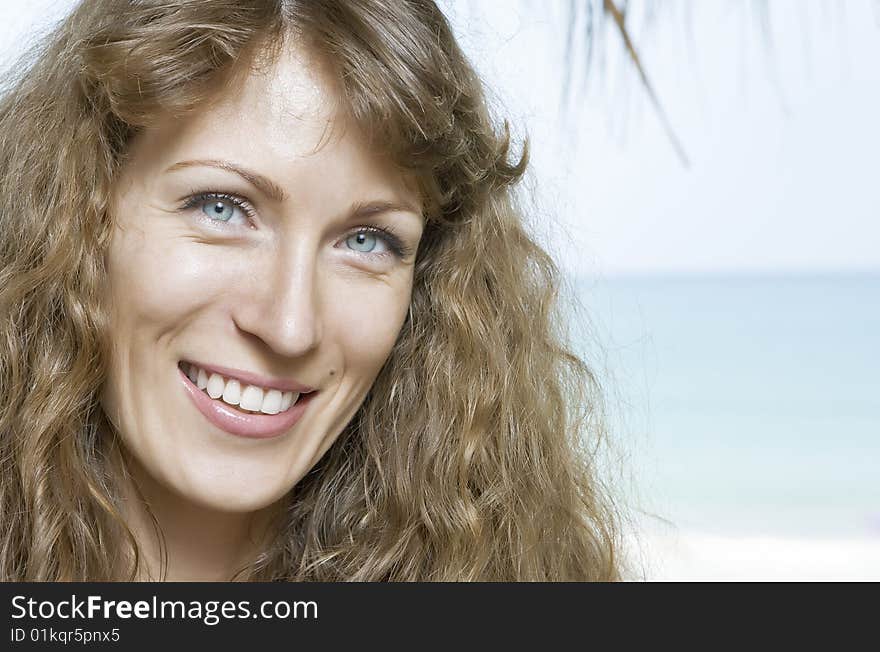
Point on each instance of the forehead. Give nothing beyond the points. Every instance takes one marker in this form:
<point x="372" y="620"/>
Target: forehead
<point x="285" y="119"/>
<point x="292" y="99"/>
<point x="288" y="107"/>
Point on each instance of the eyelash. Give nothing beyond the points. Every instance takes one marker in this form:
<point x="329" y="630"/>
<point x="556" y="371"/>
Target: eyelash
<point x="395" y="244"/>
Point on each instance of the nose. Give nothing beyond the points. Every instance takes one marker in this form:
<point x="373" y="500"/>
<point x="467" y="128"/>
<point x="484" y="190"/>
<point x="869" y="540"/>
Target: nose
<point x="282" y="303"/>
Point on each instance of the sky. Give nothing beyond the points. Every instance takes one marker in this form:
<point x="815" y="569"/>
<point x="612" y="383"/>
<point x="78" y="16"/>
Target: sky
<point x="780" y="128"/>
<point x="777" y="118"/>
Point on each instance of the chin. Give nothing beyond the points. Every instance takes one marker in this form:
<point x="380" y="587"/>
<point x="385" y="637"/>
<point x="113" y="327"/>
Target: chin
<point x="234" y="503"/>
<point x="234" y="487"/>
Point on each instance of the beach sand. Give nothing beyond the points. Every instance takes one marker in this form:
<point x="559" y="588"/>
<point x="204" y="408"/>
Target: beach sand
<point x="694" y="556"/>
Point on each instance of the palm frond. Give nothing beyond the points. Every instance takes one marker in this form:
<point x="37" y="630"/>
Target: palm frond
<point x="618" y="16"/>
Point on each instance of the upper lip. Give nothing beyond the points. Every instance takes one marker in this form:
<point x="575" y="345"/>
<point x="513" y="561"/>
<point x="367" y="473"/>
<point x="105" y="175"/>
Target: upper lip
<point x="251" y="378"/>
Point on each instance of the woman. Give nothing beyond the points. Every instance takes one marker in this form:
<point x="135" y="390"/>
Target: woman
<point x="269" y="310"/>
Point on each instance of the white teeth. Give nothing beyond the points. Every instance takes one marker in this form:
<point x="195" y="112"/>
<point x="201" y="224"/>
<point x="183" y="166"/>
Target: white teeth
<point x="288" y="399"/>
<point x="215" y="386"/>
<point x="232" y="392"/>
<point x="271" y="402"/>
<point x="252" y="398"/>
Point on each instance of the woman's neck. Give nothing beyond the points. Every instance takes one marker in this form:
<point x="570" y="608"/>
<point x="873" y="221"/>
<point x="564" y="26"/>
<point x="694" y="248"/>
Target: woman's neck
<point x="199" y="543"/>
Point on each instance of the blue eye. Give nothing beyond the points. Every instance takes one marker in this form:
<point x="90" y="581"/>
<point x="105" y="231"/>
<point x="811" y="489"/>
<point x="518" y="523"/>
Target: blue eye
<point x="362" y="241"/>
<point x="365" y="240"/>
<point x="221" y="207"/>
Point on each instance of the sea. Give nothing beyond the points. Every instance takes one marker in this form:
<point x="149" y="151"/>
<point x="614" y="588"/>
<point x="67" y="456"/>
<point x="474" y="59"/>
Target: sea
<point x="741" y="405"/>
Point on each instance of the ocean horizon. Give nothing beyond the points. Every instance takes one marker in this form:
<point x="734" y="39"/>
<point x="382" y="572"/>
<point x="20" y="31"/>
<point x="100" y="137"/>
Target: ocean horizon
<point x="746" y="406"/>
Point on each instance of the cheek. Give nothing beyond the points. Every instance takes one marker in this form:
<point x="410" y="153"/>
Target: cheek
<point x="367" y="318"/>
<point x="156" y="286"/>
<point x="155" y="283"/>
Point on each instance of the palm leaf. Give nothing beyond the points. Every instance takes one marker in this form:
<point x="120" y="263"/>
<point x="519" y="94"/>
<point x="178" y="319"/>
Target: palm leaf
<point x="617" y="15"/>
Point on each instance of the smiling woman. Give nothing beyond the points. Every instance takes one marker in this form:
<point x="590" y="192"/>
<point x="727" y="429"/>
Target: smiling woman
<point x="238" y="230"/>
<point x="269" y="312"/>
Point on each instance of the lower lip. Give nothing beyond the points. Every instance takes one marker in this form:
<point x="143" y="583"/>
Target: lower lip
<point x="241" y="424"/>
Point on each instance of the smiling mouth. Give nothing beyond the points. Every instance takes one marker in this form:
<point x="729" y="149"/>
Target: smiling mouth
<point x="246" y="398"/>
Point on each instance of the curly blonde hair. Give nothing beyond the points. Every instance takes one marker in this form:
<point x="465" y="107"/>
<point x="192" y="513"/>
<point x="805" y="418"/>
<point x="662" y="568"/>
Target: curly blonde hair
<point x="471" y="457"/>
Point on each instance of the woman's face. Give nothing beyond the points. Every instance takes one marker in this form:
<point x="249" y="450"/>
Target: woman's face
<point x="264" y="251"/>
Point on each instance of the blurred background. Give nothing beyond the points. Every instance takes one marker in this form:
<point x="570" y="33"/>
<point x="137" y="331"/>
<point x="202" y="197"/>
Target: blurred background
<point x="714" y="209"/>
<point x="717" y="219"/>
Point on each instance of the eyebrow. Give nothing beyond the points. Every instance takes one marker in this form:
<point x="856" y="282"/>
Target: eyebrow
<point x="261" y="183"/>
<point x="274" y="191"/>
<point x="382" y="206"/>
